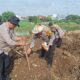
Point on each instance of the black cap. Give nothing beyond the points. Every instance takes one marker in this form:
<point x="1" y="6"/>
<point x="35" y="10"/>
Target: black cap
<point x="14" y="20"/>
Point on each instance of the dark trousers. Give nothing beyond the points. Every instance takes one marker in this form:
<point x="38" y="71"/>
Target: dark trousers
<point x="43" y="52"/>
<point x="49" y="55"/>
<point x="4" y="66"/>
<point x="58" y="42"/>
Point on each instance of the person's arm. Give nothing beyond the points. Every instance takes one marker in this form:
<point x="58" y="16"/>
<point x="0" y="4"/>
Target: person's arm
<point x="5" y="34"/>
<point x="14" y="37"/>
<point x="51" y="40"/>
<point x="8" y="39"/>
<point x="33" y="41"/>
<point x="31" y="45"/>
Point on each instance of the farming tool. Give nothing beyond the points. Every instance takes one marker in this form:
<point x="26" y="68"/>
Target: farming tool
<point x="25" y="52"/>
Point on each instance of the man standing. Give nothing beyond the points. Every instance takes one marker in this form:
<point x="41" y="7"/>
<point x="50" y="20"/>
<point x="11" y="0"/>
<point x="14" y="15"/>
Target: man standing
<point x="7" y="41"/>
<point x="55" y="41"/>
<point x="58" y="32"/>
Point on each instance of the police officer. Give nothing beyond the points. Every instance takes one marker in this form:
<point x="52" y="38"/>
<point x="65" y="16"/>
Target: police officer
<point x="7" y="41"/>
<point x="51" y="37"/>
<point x="58" y="32"/>
<point x="55" y="41"/>
<point x="38" y="32"/>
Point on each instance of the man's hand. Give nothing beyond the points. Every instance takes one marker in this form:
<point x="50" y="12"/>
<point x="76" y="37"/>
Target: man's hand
<point x="21" y="41"/>
<point x="29" y="51"/>
<point x="20" y="38"/>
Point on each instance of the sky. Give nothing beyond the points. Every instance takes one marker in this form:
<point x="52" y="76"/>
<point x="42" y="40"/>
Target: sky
<point x="40" y="7"/>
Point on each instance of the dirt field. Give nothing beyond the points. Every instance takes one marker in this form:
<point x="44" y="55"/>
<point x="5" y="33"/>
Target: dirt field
<point x="66" y="62"/>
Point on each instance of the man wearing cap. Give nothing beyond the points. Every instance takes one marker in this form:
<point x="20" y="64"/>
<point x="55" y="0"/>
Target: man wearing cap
<point x="55" y="41"/>
<point x="58" y="32"/>
<point x="39" y="32"/>
<point x="7" y="41"/>
<point x="49" y="41"/>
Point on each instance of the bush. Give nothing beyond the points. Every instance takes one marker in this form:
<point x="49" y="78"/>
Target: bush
<point x="7" y="15"/>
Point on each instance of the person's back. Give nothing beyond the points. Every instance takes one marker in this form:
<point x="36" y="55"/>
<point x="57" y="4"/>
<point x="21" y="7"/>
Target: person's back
<point x="58" y="29"/>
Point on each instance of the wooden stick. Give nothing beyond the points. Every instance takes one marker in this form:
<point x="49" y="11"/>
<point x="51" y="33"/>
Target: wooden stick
<point x="23" y="55"/>
<point x="27" y="57"/>
<point x="25" y="51"/>
<point x="18" y="52"/>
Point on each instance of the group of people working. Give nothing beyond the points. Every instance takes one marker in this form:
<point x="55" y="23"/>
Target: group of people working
<point x="51" y="36"/>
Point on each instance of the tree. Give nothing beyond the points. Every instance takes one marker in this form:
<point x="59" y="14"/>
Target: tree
<point x="7" y="15"/>
<point x="34" y="19"/>
<point x="49" y="18"/>
<point x="72" y="17"/>
<point x="0" y="18"/>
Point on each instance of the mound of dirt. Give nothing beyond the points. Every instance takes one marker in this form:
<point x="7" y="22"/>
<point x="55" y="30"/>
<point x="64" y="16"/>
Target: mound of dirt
<point x="66" y="62"/>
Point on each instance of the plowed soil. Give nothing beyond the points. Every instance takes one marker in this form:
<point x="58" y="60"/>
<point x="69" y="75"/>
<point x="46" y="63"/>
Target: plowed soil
<point x="66" y="62"/>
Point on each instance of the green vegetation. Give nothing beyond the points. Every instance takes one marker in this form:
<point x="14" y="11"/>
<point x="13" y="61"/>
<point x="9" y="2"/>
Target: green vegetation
<point x="25" y="26"/>
<point x="70" y="22"/>
<point x="6" y="16"/>
<point x="69" y="25"/>
<point x="28" y="26"/>
<point x="0" y="18"/>
<point x="35" y="19"/>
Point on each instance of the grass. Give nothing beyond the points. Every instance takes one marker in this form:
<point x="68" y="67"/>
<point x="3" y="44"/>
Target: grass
<point x="26" y="27"/>
<point x="70" y="26"/>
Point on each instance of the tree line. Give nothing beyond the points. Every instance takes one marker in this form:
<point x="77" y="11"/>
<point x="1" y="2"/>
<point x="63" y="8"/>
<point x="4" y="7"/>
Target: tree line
<point x="38" y="19"/>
